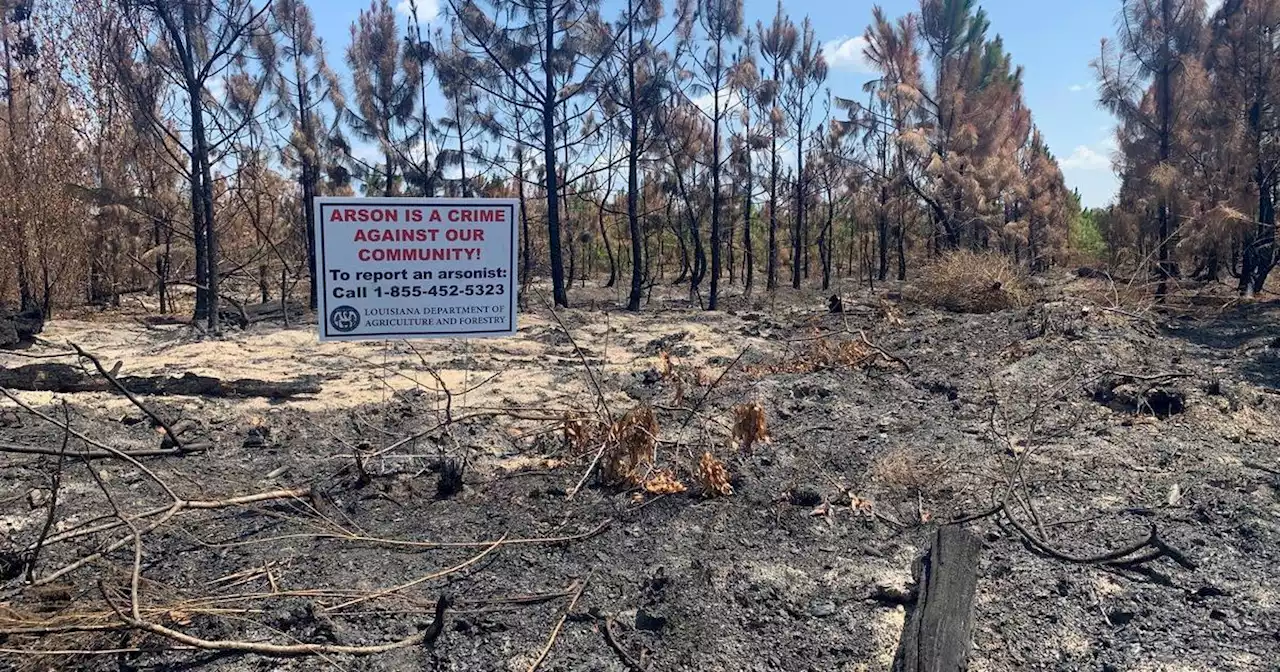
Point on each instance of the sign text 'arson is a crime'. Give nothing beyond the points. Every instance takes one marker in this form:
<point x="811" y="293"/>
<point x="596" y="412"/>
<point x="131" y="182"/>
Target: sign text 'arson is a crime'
<point x="391" y="268"/>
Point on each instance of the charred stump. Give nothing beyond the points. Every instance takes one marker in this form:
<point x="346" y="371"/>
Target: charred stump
<point x="939" y="627"/>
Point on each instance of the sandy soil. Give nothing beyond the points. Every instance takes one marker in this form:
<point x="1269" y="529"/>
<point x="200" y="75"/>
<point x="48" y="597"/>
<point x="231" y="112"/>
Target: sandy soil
<point x="519" y="371"/>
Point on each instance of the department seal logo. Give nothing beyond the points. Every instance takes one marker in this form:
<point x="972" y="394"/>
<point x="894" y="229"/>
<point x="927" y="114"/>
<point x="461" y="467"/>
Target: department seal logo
<point x="344" y="319"/>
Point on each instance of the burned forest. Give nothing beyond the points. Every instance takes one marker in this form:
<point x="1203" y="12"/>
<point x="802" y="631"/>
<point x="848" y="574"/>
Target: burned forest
<point x="639" y="336"/>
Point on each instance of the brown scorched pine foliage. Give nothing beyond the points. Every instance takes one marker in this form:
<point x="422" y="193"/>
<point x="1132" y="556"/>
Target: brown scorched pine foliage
<point x="168" y="152"/>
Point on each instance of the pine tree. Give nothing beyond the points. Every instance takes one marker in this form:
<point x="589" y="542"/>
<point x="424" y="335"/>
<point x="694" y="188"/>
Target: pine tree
<point x="195" y="41"/>
<point x="1148" y="81"/>
<point x="719" y="24"/>
<point x="302" y="84"/>
<point x="808" y="70"/>
<point x="777" y="42"/>
<point x="386" y="92"/>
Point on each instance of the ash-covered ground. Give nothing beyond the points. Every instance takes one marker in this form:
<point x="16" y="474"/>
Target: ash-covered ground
<point x="1121" y="420"/>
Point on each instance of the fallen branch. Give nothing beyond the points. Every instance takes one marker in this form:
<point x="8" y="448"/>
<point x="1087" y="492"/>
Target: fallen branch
<point x="173" y="438"/>
<point x="883" y="353"/>
<point x="1137" y="377"/>
<point x="1125" y="556"/>
<point x="163" y="515"/>
<point x="1262" y="468"/>
<point x="421" y="545"/>
<point x="99" y="455"/>
<point x="426" y="638"/>
<point x="27" y="355"/>
<point x="65" y="378"/>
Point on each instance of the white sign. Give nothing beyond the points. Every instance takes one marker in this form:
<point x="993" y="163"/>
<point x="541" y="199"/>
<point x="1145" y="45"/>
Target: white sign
<point x="392" y="268"/>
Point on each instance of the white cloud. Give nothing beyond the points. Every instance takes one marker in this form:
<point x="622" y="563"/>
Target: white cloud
<point x="729" y="100"/>
<point x="1085" y="157"/>
<point x="217" y="88"/>
<point x="367" y="153"/>
<point x="1089" y="169"/>
<point x="845" y="53"/>
<point x="1076" y="88"/>
<point x="428" y="10"/>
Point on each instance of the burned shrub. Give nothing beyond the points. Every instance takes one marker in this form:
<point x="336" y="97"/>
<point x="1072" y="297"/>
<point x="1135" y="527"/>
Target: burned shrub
<point x="749" y="426"/>
<point x="970" y="282"/>
<point x="450" y="480"/>
<point x="713" y="476"/>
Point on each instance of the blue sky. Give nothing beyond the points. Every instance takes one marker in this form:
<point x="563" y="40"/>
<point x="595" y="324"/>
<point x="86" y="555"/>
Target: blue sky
<point x="1054" y="45"/>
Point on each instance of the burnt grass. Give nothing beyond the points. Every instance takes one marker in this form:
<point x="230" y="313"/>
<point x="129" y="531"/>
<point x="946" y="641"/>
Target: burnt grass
<point x="785" y="574"/>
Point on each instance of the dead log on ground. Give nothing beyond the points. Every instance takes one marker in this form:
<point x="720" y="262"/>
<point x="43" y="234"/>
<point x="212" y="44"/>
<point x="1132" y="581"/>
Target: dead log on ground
<point x="1093" y="274"/>
<point x="938" y="632"/>
<point x="66" y="378"/>
<point x="19" y="329"/>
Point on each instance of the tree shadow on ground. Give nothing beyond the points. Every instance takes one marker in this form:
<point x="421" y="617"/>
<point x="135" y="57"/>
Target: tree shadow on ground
<point x="1251" y="330"/>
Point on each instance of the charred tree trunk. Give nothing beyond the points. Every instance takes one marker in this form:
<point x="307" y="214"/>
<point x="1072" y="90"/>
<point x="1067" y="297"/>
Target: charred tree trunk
<point x="797" y="231"/>
<point x="1164" y="102"/>
<point x="771" y="271"/>
<point x="549" y="94"/>
<point x="526" y="244"/>
<point x="882" y="233"/>
<point x="824" y="241"/>
<point x="309" y="175"/>
<point x="714" y="298"/>
<point x="749" y="262"/>
<point x="686" y="266"/>
<point x="633" y="172"/>
<point x="608" y="247"/>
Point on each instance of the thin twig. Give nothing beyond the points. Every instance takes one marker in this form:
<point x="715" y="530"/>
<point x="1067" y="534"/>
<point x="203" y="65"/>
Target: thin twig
<point x="587" y="474"/>
<point x="697" y="406"/>
<point x="883" y="353"/>
<point x="606" y="627"/>
<point x="50" y="355"/>
<point x="426" y="637"/>
<point x="193" y="504"/>
<point x="54" y="486"/>
<point x="99" y="455"/>
<point x="470" y="416"/>
<point x="420" y="580"/>
<point x="600" y="398"/>
<point x="164" y="514"/>
<point x="135" y="574"/>
<point x="1262" y="468"/>
<point x="422" y="545"/>
<point x="555" y="632"/>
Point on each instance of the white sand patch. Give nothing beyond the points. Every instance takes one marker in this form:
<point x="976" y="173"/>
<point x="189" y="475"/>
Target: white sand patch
<point x="537" y="369"/>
